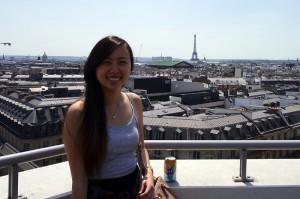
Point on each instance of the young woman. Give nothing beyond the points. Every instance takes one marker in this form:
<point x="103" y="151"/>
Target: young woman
<point x="103" y="130"/>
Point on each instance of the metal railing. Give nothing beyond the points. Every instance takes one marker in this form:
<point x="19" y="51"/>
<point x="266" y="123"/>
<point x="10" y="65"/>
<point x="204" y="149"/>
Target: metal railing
<point x="12" y="161"/>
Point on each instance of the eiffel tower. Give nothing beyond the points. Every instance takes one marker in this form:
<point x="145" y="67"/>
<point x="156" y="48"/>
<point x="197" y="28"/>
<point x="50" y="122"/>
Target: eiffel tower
<point x="194" y="55"/>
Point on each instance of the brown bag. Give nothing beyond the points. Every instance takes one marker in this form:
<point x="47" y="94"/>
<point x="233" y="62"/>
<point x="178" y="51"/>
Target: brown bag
<point x="161" y="189"/>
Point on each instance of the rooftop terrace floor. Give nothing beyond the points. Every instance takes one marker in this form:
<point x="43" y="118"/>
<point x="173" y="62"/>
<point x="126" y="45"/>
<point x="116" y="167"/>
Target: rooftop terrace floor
<point x="205" y="179"/>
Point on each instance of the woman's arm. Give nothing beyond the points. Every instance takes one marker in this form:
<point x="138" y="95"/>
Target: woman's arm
<point x="71" y="130"/>
<point x="147" y="187"/>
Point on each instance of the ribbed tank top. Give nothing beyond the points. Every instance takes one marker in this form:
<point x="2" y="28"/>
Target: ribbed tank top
<point x="121" y="158"/>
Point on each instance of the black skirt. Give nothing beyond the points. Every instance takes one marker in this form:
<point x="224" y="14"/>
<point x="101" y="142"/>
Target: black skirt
<point x="125" y="187"/>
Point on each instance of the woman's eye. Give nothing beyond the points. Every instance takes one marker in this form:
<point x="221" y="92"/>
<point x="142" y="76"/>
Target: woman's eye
<point x="123" y="62"/>
<point x="106" y="62"/>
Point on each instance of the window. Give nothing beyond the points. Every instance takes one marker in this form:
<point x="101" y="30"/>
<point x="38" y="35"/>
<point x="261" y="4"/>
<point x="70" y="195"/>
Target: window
<point x="198" y="135"/>
<point x="26" y="146"/>
<point x="294" y="133"/>
<point x="148" y="133"/>
<point x="59" y="159"/>
<point x="174" y="153"/>
<point x="168" y="82"/>
<point x="157" y="154"/>
<point x="45" y="162"/>
<point x="46" y="143"/>
<point x="214" y="134"/>
<point x="284" y="136"/>
<point x="178" y="134"/>
<point x="59" y="141"/>
<point x="196" y="154"/>
<point x="44" y="130"/>
<point x="160" y="134"/>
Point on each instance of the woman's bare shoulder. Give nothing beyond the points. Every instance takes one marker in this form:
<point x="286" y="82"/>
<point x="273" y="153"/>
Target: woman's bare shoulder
<point x="136" y="100"/>
<point x="76" y="108"/>
<point x="134" y="97"/>
<point x="74" y="116"/>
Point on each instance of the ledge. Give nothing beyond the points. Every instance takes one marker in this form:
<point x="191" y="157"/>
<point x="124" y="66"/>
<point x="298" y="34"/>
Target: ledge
<point x="210" y="179"/>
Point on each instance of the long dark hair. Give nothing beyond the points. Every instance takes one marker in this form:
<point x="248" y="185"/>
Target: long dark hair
<point x="92" y="138"/>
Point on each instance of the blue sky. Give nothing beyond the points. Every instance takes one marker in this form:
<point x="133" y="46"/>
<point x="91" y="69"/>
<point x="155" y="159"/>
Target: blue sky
<point x="226" y="29"/>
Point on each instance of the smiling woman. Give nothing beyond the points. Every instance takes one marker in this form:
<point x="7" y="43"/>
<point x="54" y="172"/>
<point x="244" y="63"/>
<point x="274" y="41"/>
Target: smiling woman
<point x="103" y="130"/>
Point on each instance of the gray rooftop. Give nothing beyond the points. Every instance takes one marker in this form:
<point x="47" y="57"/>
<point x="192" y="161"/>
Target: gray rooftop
<point x="265" y="120"/>
<point x="164" y="111"/>
<point x="258" y="93"/>
<point x="186" y="122"/>
<point x="52" y="101"/>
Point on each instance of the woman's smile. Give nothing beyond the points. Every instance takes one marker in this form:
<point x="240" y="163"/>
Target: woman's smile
<point x="113" y="78"/>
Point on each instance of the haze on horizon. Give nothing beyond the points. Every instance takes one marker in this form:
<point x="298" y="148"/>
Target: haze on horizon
<point x="226" y="29"/>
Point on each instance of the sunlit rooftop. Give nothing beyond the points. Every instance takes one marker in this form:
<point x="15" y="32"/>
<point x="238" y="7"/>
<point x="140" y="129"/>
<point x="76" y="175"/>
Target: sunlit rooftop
<point x="201" y="178"/>
<point x="205" y="179"/>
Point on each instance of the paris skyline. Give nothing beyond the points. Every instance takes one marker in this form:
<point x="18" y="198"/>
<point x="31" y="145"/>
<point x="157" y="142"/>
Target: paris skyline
<point x="232" y="29"/>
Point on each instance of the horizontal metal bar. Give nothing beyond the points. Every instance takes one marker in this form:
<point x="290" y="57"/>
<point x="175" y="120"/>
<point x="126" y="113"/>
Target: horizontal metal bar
<point x="32" y="155"/>
<point x="224" y="144"/>
<point x="48" y="152"/>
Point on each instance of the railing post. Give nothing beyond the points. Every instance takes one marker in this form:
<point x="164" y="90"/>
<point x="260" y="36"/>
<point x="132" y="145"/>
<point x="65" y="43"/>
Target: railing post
<point x="243" y="168"/>
<point x="13" y="182"/>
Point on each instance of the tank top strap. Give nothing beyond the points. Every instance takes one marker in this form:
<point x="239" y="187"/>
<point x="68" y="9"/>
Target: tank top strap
<point x="132" y="107"/>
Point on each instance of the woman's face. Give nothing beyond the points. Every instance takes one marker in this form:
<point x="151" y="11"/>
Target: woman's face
<point x="114" y="71"/>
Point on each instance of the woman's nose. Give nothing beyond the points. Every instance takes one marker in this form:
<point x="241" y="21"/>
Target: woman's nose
<point x="114" y="67"/>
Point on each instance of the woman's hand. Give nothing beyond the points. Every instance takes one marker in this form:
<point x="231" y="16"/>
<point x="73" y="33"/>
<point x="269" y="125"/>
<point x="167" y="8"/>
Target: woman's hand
<point x="147" y="188"/>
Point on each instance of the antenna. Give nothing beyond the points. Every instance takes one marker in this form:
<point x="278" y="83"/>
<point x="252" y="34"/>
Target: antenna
<point x="140" y="50"/>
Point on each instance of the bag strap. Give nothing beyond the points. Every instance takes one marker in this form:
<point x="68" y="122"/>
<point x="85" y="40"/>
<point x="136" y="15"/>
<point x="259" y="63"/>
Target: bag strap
<point x="140" y="159"/>
<point x="141" y="162"/>
<point x="142" y="165"/>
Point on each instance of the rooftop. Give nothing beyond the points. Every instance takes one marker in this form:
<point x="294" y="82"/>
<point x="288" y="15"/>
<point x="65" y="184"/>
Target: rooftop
<point x="273" y="178"/>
